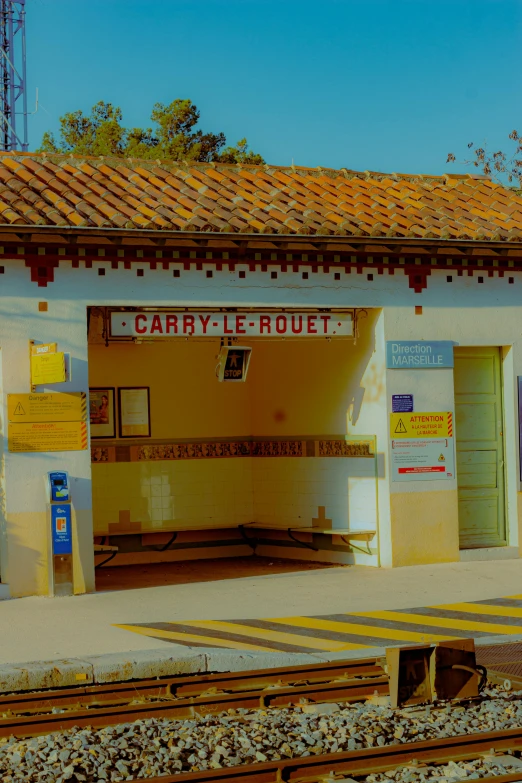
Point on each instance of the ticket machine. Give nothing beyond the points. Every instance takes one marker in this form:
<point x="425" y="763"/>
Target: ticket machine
<point x="60" y="539"/>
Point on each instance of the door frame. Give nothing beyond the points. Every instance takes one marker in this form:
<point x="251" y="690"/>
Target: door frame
<point x="503" y="354"/>
<point x="512" y="465"/>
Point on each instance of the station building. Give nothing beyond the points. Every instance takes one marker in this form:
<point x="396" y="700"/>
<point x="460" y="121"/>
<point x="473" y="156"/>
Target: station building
<point x="381" y="320"/>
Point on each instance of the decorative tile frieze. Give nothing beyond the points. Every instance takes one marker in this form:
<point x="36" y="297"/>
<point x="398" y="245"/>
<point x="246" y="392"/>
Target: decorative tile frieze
<point x="343" y="448"/>
<point x="261" y="447"/>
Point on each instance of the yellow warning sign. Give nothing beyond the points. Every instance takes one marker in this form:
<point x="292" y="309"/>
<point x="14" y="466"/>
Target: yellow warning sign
<point x="400" y="429"/>
<point x="421" y="425"/>
<point x="51" y="407"/>
<point x="50" y="436"/>
<point x="47" y="368"/>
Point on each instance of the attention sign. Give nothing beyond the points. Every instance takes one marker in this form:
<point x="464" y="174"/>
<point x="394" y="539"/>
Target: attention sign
<point x="421" y="425"/>
<point x="52" y="436"/>
<point x="204" y="324"/>
<point x="422" y="446"/>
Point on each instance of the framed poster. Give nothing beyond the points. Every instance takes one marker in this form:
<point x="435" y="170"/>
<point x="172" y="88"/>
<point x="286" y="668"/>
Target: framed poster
<point x="134" y="411"/>
<point x="101" y="413"/>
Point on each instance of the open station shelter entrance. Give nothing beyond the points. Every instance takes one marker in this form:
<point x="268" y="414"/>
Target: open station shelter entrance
<point x="220" y="433"/>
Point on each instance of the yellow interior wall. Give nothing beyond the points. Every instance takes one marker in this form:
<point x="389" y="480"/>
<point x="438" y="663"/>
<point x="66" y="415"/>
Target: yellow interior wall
<point x="186" y="400"/>
<point x="294" y="389"/>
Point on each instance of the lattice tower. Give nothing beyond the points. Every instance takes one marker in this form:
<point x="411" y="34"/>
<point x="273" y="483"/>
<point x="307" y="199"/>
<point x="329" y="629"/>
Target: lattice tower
<point x="13" y="86"/>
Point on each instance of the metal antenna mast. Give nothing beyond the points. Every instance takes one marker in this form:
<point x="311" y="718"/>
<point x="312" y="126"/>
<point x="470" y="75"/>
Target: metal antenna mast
<point x="13" y="85"/>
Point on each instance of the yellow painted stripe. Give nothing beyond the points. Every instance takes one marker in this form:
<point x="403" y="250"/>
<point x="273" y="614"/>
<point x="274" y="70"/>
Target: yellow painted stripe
<point x="496" y="611"/>
<point x="276" y="636"/>
<point x="360" y="630"/>
<point x="516" y="597"/>
<point x="444" y="622"/>
<point x="183" y="637"/>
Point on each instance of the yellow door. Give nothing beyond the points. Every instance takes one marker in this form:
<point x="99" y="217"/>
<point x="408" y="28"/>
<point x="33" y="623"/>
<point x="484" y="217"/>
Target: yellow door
<point x="479" y="444"/>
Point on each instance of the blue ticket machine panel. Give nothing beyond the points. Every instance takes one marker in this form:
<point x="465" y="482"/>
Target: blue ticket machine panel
<point x="61" y="528"/>
<point x="58" y="487"/>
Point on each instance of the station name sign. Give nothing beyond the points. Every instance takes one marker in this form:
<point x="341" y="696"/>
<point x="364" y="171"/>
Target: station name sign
<point x="236" y="324"/>
<point x="419" y="354"/>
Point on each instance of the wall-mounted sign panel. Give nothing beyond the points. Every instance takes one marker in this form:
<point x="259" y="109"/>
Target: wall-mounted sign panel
<point x="50" y="436"/>
<point x="419" y="354"/>
<point x="62" y="529"/>
<point x="233" y="363"/>
<point x="48" y="368"/>
<point x="421" y="425"/>
<point x="422" y="460"/>
<point x="133" y="324"/>
<point x="402" y="403"/>
<point x="134" y="412"/>
<point x="52" y="407"/>
<point x="43" y="348"/>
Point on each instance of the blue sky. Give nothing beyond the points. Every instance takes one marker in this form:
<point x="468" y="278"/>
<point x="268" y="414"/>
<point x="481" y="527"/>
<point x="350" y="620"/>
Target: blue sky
<point x="386" y="85"/>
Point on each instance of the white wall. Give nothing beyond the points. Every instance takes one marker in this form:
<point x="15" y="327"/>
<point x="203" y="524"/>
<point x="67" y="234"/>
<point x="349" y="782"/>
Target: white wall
<point x="464" y="311"/>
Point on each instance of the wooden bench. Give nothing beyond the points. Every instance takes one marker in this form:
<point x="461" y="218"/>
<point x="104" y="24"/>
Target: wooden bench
<point x="104" y="548"/>
<point x="345" y="534"/>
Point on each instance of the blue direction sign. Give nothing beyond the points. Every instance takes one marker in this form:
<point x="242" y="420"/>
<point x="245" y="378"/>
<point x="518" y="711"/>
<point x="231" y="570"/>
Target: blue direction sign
<point x="61" y="527"/>
<point x="419" y="354"/>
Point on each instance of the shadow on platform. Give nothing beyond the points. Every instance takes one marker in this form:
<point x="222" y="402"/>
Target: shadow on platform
<point x="133" y="577"/>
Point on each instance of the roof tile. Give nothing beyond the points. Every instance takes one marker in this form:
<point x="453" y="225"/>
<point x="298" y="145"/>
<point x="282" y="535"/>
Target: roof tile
<point x="67" y="190"/>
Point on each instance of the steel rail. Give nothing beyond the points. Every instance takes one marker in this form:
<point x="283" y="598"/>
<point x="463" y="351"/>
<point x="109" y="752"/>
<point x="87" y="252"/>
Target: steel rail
<point x="188" y="685"/>
<point x="344" y="690"/>
<point x="359" y="762"/>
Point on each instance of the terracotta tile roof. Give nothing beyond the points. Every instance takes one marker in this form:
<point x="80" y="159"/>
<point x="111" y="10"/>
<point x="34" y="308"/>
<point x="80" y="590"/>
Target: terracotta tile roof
<point x="60" y="190"/>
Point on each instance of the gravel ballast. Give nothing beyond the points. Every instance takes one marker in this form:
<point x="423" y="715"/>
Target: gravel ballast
<point x="153" y="747"/>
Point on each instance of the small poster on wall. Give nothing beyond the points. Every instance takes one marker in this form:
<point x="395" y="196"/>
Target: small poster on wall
<point x="134" y="410"/>
<point x="101" y="413"/>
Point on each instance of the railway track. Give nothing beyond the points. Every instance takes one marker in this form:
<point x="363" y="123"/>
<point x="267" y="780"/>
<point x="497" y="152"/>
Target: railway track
<point x="30" y="714"/>
<point x="332" y="767"/>
<point x="97" y="706"/>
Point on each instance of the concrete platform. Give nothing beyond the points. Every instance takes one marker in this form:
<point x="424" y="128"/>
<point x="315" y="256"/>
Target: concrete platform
<point x="82" y="632"/>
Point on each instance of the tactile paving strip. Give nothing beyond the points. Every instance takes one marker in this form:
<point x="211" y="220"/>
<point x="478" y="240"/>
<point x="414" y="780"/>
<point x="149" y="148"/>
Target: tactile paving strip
<point x="504" y="658"/>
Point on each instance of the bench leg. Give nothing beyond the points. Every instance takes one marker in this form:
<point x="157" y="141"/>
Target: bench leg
<point x="302" y="543"/>
<point x="167" y="545"/>
<point x="107" y="560"/>
<point x="252" y="542"/>
<point x="366" y="551"/>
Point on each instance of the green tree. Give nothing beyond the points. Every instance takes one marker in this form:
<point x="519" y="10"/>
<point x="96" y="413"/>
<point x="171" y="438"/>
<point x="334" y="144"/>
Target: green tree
<point x="176" y="136"/>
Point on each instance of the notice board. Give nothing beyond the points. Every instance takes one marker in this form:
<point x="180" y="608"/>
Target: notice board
<point x="47" y="422"/>
<point x="422" y="446"/>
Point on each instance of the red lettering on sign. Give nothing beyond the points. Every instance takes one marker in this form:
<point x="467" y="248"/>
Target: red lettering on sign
<point x="294" y="328"/>
<point x="281" y="324"/>
<point x="156" y="325"/>
<point x="264" y="323"/>
<point x="240" y="324"/>
<point x="311" y="324"/>
<point x="204" y="322"/>
<point x="136" y="327"/>
<point x="225" y="326"/>
<point x="422" y="469"/>
<point x="325" y="319"/>
<point x="188" y="324"/>
<point x="172" y="321"/>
